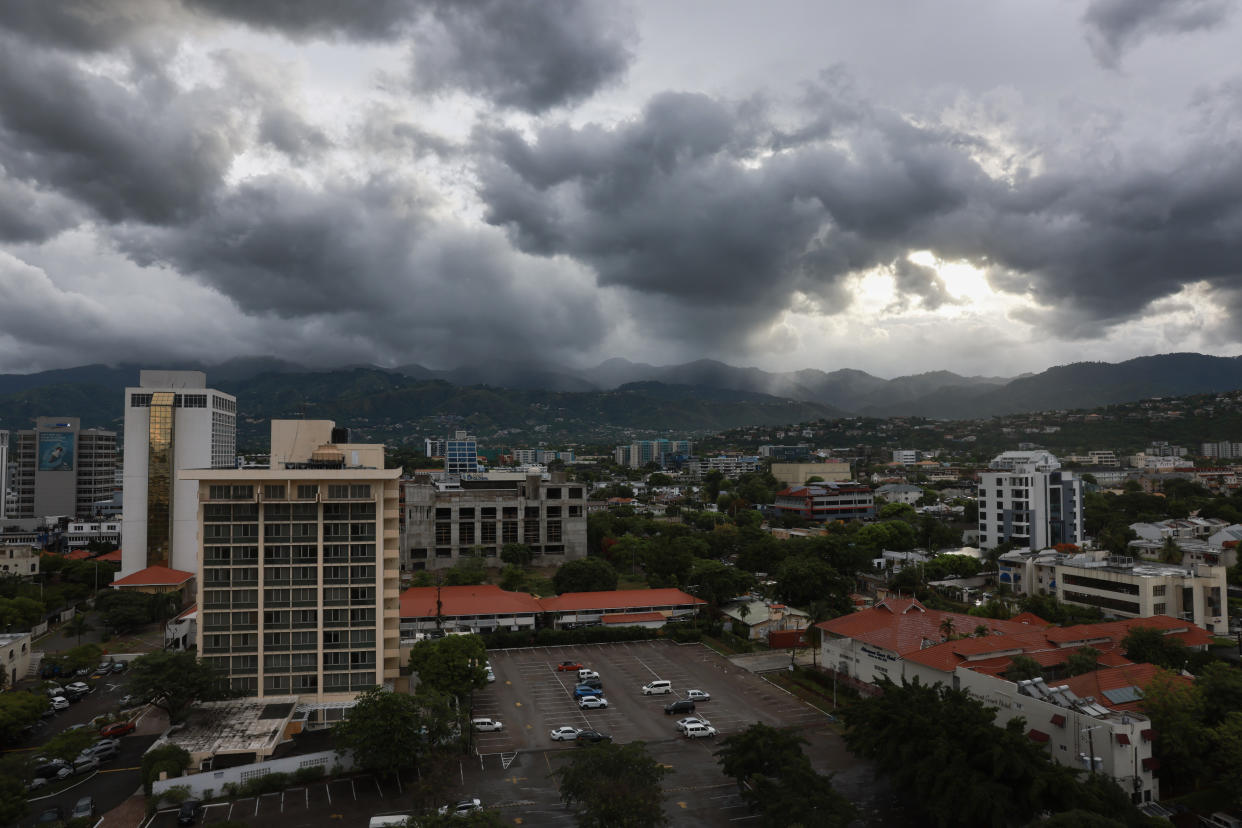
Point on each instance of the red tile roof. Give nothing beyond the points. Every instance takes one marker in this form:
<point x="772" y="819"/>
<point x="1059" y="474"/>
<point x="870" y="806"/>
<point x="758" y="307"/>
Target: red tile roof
<point x="1115" y="678"/>
<point x="154" y="576"/>
<point x="904" y="625"/>
<point x="1030" y="618"/>
<point x="1183" y="631"/>
<point x="633" y="617"/>
<point x="485" y="599"/>
<point x="112" y="557"/>
<point x="190" y="610"/>
<point x="620" y="599"/>
<point x="78" y="554"/>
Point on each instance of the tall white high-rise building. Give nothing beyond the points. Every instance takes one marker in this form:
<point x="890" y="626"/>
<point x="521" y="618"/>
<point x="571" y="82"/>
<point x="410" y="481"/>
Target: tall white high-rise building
<point x="1026" y="499"/>
<point x="173" y="422"/>
<point x="4" y="469"/>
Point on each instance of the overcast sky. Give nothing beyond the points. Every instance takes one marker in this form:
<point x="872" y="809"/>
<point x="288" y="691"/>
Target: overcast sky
<point x="987" y="187"/>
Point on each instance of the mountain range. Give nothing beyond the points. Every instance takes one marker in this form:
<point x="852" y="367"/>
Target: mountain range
<point x="701" y="395"/>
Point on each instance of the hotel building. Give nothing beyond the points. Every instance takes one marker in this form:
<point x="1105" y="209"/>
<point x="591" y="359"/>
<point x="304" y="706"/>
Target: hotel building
<point x="298" y="591"/>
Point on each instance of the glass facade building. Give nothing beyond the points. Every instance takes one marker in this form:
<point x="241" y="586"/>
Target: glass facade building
<point x="160" y="453"/>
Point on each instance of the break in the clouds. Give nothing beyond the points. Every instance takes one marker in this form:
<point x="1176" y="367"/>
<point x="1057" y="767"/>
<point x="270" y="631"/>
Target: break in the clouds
<point x="438" y="182"/>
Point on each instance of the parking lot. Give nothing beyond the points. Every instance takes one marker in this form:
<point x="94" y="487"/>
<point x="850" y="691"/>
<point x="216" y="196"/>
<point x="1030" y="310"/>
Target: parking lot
<point x="511" y="770"/>
<point x="532" y="697"/>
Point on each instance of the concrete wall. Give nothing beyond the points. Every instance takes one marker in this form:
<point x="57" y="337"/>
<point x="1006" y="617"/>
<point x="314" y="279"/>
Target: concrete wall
<point x="210" y="784"/>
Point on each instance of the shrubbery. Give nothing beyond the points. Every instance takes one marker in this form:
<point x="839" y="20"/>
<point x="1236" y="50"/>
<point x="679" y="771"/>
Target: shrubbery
<point x="504" y="639"/>
<point x="169" y="758"/>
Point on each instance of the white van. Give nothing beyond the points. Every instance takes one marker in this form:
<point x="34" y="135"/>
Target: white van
<point x="698" y="731"/>
<point x="386" y="820"/>
<point x="656" y="687"/>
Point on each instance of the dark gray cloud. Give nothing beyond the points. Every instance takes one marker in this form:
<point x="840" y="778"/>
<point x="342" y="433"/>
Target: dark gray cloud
<point x="355" y="19"/>
<point x="685" y="204"/>
<point x="128" y="151"/>
<point x="368" y="260"/>
<point x="86" y="25"/>
<point x="1113" y="26"/>
<point x="30" y="215"/>
<point x="527" y="54"/>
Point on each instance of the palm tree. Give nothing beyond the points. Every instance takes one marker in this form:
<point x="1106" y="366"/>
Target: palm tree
<point x="77" y="625"/>
<point x="947" y="628"/>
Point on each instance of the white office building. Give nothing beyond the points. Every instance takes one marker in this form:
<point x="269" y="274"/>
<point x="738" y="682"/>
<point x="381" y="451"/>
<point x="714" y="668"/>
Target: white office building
<point x="1027" y="499"/>
<point x="4" y="469"/>
<point x="173" y="422"/>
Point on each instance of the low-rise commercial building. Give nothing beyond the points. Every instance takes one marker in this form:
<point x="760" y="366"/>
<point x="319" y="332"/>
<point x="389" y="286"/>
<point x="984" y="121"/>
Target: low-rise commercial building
<point x="730" y="465"/>
<point x="827" y="501"/>
<point x="585" y="609"/>
<point x="14" y="656"/>
<point x="796" y="474"/>
<point x="19" y="560"/>
<point x="1120" y="586"/>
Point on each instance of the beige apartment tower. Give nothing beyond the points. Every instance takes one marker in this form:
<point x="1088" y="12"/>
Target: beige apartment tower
<point x="299" y="580"/>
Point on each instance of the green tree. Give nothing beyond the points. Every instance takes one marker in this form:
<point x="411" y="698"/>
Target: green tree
<point x="1149" y="645"/>
<point x="716" y="583"/>
<point x="453" y="665"/>
<point x="68" y="744"/>
<point x="13" y="805"/>
<point x="1083" y="660"/>
<point x="124" y="611"/>
<point x="1182" y="740"/>
<point x="470" y="570"/>
<point x="613" y="786"/>
<point x="942" y="748"/>
<point x="166" y="758"/>
<point x="77" y="626"/>
<point x="18" y="710"/>
<point x="381" y="730"/>
<point x="476" y="819"/>
<point x="803" y="579"/>
<point x="1226" y="757"/>
<point x="897" y="511"/>
<point x="1024" y="667"/>
<point x="777" y="780"/>
<point x="174" y="680"/>
<point x="517" y="554"/>
<point x="589" y="574"/>
<point x="1220" y="687"/>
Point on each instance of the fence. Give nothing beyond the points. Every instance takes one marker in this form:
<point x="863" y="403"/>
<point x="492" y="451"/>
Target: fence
<point x="209" y="784"/>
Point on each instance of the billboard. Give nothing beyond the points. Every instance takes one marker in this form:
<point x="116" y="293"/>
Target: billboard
<point x="56" y="450"/>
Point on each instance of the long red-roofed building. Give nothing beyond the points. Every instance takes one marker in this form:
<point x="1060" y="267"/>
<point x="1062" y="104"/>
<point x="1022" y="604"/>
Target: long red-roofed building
<point x="487" y="608"/>
<point x="902" y="640"/>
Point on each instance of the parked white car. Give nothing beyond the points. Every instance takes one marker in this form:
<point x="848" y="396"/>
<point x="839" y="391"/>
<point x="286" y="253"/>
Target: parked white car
<point x="659" y="686"/>
<point x="698" y="695"/>
<point x="463" y="808"/>
<point x="565" y="734"/>
<point x="682" y="724"/>
<point x="592" y="702"/>
<point x="698" y="731"/>
<point x="586" y="673"/>
<point x="485" y="725"/>
<point x="60" y="703"/>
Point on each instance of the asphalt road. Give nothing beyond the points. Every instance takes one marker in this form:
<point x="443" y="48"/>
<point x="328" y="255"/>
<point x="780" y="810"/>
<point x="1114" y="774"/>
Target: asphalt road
<point x="116" y="779"/>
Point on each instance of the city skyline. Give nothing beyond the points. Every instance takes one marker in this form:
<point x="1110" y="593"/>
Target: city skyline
<point x="989" y="191"/>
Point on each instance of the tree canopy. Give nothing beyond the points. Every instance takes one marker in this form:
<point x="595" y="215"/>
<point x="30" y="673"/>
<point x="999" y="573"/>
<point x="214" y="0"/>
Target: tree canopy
<point x="613" y="786"/>
<point x="382" y="731"/>
<point x="943" y="748"/>
<point x="589" y="574"/>
<point x="778" y="782"/>
<point x="453" y="665"/>
<point x="173" y="680"/>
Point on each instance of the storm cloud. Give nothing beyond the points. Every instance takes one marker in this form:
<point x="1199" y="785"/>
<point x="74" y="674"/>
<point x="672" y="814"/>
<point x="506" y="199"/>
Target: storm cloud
<point x="439" y="182"/>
